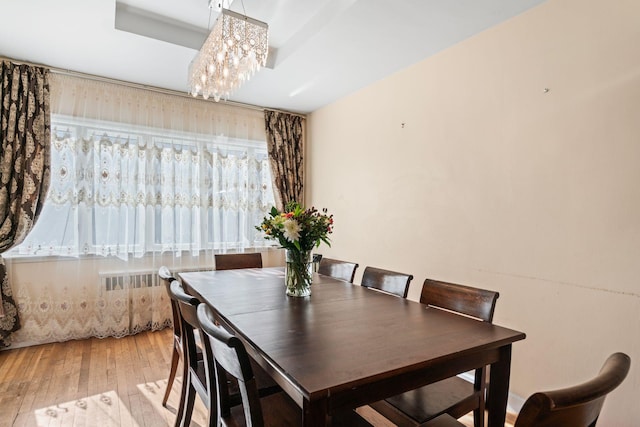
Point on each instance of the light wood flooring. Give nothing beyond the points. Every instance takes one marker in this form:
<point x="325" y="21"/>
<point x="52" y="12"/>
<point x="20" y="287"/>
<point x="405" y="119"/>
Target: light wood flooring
<point x="95" y="382"/>
<point x="98" y="382"/>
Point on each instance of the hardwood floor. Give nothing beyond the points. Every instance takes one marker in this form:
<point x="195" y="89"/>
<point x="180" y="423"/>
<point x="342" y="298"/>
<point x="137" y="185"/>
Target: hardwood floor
<point x="95" y="382"/>
<point x="98" y="382"/>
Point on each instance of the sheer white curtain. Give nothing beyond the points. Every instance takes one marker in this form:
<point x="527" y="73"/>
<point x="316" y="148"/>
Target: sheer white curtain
<point x="139" y="179"/>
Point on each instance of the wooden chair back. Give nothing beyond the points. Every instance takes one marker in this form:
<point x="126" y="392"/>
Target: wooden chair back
<point x="469" y="301"/>
<point x="235" y="261"/>
<point x="577" y="406"/>
<point x="440" y="403"/>
<point x="391" y="282"/>
<point x="227" y="356"/>
<point x="341" y="270"/>
<point x="195" y="379"/>
<point x="187" y="305"/>
<point x="165" y="275"/>
<point x="474" y="302"/>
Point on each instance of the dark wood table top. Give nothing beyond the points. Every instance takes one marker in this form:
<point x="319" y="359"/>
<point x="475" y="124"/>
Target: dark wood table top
<point x="343" y="336"/>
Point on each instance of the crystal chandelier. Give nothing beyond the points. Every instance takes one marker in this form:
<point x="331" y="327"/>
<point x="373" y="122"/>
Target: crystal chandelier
<point x="235" y="49"/>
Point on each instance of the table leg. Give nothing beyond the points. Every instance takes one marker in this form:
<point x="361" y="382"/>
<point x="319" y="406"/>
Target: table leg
<point x="316" y="413"/>
<point x="498" y="392"/>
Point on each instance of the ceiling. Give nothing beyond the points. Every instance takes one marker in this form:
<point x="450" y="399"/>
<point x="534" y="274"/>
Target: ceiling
<point x="320" y="50"/>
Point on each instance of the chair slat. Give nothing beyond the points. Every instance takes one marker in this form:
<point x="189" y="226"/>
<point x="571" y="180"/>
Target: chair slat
<point x="341" y="270"/>
<point x="474" y="302"/>
<point x="235" y="261"/>
<point x="388" y="281"/>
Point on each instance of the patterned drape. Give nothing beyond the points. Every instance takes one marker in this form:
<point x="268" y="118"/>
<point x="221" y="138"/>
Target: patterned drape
<point x="24" y="167"/>
<point x="285" y="144"/>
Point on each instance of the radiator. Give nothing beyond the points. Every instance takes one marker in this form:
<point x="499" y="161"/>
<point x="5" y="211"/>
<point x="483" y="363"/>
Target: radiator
<point x="121" y="280"/>
<point x="117" y="281"/>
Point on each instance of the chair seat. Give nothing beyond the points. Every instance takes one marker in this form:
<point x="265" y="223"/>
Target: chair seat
<point x="453" y="396"/>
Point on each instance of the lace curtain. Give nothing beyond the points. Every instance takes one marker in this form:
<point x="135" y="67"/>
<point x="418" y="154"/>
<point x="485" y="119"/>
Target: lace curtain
<point x="129" y="194"/>
<point x="140" y="179"/>
<point x="24" y="168"/>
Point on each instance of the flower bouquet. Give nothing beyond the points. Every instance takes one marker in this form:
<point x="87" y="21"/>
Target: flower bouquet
<point x="298" y="230"/>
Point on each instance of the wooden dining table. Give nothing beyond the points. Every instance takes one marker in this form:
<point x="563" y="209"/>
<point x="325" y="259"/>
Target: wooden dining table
<point x="346" y="346"/>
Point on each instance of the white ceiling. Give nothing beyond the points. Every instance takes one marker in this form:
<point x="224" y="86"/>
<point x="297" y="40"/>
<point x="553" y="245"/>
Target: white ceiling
<point x="321" y="50"/>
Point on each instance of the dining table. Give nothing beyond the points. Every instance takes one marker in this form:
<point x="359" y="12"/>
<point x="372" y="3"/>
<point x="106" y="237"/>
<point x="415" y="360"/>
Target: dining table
<point x="346" y="346"/>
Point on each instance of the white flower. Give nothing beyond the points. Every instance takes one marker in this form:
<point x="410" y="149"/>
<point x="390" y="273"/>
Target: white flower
<point x="291" y="230"/>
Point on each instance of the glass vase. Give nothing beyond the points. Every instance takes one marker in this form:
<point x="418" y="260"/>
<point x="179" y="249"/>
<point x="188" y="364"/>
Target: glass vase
<point x="298" y="273"/>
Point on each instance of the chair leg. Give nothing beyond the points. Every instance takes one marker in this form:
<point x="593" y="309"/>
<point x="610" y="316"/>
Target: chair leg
<point x="183" y="394"/>
<point x="172" y="375"/>
<point x="479" y="412"/>
<point x="478" y="416"/>
<point x="480" y="385"/>
<point x="188" y="406"/>
<point x="212" y="415"/>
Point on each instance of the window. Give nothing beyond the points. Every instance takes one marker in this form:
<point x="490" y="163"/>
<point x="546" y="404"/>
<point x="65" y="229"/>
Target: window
<point x="130" y="190"/>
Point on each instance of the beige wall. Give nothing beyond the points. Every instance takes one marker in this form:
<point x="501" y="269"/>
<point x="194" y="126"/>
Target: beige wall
<point x="492" y="182"/>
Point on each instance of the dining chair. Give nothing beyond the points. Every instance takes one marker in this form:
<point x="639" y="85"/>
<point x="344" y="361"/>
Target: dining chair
<point x="341" y="270"/>
<point x="387" y="281"/>
<point x="177" y="354"/>
<point x="195" y="377"/>
<point x="193" y="380"/>
<point x="234" y="261"/>
<point x="454" y="396"/>
<point x="226" y="355"/>
<point x="577" y="406"/>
